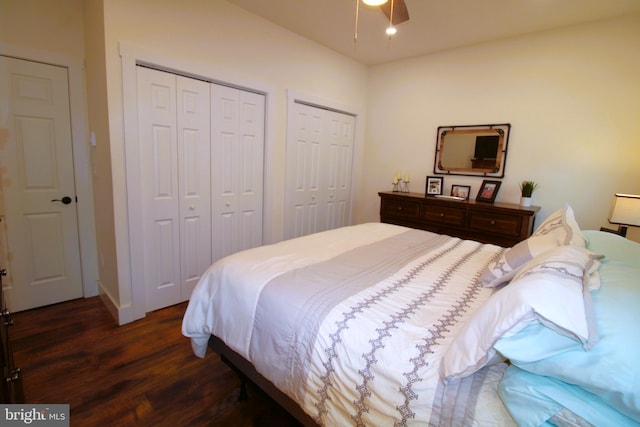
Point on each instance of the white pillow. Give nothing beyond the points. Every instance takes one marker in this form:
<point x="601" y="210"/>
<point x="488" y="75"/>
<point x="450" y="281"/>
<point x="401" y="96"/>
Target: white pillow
<point x="563" y="225"/>
<point x="559" y="229"/>
<point x="551" y="289"/>
<point x="506" y="266"/>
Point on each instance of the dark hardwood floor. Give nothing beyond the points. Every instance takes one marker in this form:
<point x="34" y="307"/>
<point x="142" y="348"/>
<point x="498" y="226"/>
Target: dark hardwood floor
<point x="140" y="374"/>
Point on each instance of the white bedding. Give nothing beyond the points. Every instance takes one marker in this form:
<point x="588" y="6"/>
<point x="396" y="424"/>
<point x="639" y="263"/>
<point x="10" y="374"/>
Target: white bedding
<point x="229" y="290"/>
<point x="352" y="323"/>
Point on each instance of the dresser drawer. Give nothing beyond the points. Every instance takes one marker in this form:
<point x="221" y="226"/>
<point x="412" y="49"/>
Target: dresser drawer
<point x="495" y="223"/>
<point x="444" y="215"/>
<point x="400" y="209"/>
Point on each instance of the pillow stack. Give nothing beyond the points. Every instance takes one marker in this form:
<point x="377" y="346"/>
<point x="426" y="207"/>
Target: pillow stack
<point x="542" y="318"/>
<point x="550" y="371"/>
<point x="559" y="229"/>
<point x="549" y="277"/>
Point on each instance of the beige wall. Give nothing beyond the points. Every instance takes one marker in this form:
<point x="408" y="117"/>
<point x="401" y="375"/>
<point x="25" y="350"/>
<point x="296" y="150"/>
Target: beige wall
<point x="97" y="101"/>
<point x="570" y="95"/>
<point x="47" y="25"/>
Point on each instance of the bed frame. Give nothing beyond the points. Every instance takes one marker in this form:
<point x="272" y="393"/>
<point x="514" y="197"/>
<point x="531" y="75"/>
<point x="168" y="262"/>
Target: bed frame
<point x="247" y="372"/>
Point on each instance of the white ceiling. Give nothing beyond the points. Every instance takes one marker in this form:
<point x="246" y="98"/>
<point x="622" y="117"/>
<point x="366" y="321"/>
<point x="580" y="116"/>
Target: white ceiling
<point x="434" y="25"/>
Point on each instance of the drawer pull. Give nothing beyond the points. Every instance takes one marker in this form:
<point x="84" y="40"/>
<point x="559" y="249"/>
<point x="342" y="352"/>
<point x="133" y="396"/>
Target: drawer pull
<point x="493" y="222"/>
<point x="441" y="214"/>
<point x="399" y="208"/>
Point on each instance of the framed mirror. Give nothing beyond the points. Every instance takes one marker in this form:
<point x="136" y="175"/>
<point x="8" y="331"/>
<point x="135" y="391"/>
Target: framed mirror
<point x="477" y="150"/>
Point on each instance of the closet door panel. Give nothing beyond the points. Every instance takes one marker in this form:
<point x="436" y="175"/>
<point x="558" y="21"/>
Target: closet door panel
<point x="224" y="171"/>
<point x="303" y="174"/>
<point x="237" y="156"/>
<point x="159" y="186"/>
<point x="194" y="155"/>
<point x="252" y="112"/>
<point x="340" y="146"/>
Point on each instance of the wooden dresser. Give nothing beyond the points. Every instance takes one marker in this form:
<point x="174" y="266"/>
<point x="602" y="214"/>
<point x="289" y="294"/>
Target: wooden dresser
<point x="503" y="224"/>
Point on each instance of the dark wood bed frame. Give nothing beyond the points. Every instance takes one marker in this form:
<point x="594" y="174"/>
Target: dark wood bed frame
<point x="247" y="372"/>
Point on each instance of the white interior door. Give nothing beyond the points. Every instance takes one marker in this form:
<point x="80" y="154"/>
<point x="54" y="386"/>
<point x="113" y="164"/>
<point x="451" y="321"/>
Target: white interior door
<point x="237" y="158"/>
<point x="39" y="191"/>
<point x="318" y="175"/>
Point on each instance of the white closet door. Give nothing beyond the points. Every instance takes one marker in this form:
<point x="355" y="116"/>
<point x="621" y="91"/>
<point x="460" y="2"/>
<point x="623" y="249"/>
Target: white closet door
<point x="340" y="137"/>
<point x="160" y="191"/>
<point x="174" y="169"/>
<point x="318" y="175"/>
<point x="194" y="167"/>
<point x="306" y="132"/>
<point x="237" y="158"/>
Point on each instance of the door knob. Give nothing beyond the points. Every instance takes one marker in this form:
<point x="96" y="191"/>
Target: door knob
<point x="66" y="200"/>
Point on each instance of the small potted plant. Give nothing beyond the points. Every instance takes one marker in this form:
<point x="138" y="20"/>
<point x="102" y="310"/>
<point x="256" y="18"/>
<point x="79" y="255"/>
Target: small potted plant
<point x="526" y="191"/>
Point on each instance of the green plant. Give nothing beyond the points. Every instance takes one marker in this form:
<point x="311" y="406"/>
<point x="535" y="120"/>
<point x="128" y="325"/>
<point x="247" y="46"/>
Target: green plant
<point x="527" y="188"/>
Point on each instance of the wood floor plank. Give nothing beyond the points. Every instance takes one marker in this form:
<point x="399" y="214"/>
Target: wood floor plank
<point x="140" y="374"/>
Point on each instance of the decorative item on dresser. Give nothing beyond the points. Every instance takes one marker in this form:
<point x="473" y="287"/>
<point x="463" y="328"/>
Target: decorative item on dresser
<point x="503" y="224"/>
<point x="11" y="387"/>
<point x="526" y="190"/>
<point x="488" y="191"/>
<point x="461" y="191"/>
<point x="434" y="185"/>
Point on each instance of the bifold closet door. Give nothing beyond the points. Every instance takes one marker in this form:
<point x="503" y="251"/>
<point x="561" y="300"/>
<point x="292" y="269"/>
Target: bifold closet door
<point x="339" y="144"/>
<point x="318" y="174"/>
<point x="237" y="156"/>
<point x="174" y="132"/>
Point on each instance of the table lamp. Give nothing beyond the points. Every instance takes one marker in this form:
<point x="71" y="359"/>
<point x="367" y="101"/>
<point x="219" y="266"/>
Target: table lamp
<point x="625" y="211"/>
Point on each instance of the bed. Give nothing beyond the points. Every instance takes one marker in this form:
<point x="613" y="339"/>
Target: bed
<point x="378" y="324"/>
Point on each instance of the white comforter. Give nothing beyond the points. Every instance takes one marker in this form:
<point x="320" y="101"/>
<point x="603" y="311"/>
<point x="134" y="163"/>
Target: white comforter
<point x="352" y="323"/>
<point x="224" y="302"/>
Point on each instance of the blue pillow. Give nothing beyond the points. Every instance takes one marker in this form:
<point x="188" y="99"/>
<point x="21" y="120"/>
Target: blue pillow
<point x="611" y="370"/>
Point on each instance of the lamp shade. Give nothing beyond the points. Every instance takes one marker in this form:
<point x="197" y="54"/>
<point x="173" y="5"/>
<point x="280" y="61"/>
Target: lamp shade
<point x="625" y="210"/>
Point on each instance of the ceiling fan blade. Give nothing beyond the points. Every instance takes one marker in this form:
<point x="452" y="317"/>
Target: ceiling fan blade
<point x="400" y="12"/>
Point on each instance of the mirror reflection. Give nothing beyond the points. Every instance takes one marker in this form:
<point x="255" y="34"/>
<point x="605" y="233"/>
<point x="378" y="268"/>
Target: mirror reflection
<point x="472" y="150"/>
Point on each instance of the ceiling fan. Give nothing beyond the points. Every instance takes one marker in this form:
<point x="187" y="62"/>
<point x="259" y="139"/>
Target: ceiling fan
<point x="395" y="11"/>
<point x="400" y="12"/>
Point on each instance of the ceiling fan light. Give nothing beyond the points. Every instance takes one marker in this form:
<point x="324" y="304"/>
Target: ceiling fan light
<point x="374" y="2"/>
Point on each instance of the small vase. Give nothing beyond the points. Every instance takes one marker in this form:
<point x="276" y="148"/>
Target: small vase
<point x="525" y="201"/>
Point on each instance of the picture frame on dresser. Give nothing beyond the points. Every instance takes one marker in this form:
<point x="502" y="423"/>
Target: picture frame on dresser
<point x="461" y="191"/>
<point x="434" y="185"/>
<point x="488" y="191"/>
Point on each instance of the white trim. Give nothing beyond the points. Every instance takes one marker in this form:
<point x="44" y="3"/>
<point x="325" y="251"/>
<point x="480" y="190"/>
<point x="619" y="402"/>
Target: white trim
<point x="319" y="102"/>
<point x="133" y="56"/>
<point x="81" y="156"/>
<point x="130" y="230"/>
